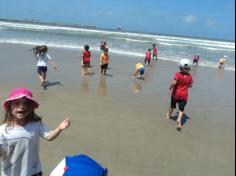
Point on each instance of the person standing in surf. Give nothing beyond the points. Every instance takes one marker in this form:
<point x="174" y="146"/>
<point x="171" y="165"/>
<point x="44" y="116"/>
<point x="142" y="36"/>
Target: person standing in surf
<point x="86" y="59"/>
<point x="196" y="59"/>
<point x="148" y="57"/>
<point x="104" y="61"/>
<point x="154" y="51"/>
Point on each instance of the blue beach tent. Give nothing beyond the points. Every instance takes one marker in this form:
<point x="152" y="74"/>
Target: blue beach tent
<point x="79" y="165"/>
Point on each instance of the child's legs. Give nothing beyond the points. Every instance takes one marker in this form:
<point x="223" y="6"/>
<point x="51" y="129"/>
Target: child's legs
<point x="182" y="104"/>
<point x="171" y="108"/>
<point x="145" y="60"/>
<point x="102" y="68"/>
<point x="42" y="74"/>
<point x="86" y="67"/>
<point x="105" y="68"/>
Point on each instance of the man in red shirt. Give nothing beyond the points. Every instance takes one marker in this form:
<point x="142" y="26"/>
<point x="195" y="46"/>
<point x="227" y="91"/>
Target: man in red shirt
<point x="179" y="90"/>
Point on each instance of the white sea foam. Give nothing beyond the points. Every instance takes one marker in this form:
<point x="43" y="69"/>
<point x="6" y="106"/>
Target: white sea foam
<point x="135" y="43"/>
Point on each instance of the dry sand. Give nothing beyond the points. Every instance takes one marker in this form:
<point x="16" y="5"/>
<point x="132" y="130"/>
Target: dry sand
<point x="121" y="122"/>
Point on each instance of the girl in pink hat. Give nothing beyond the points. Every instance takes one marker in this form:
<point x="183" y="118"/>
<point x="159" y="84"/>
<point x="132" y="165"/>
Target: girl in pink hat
<point x="20" y="133"/>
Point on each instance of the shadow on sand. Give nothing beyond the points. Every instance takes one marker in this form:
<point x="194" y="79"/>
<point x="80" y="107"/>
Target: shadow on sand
<point x="48" y="84"/>
<point x="184" y="120"/>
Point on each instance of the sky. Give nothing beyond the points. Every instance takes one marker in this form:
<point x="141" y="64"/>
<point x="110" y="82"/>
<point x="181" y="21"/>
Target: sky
<point x="194" y="18"/>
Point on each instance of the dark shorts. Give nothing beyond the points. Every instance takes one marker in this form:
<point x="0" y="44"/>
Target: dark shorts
<point x="142" y="70"/>
<point x="86" y="64"/>
<point x="42" y="69"/>
<point x="38" y="174"/>
<point x="147" y="60"/>
<point x="181" y="103"/>
<point x="104" y="66"/>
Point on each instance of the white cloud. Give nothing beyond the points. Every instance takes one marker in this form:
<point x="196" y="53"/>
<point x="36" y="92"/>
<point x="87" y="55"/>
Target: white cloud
<point x="108" y="13"/>
<point x="190" y="19"/>
<point x="209" y="22"/>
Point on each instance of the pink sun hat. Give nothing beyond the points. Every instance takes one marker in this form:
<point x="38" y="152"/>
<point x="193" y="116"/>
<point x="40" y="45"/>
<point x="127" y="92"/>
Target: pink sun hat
<point x="20" y="93"/>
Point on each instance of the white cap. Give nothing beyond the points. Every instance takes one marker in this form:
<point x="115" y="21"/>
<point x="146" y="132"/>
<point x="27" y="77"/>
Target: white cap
<point x="184" y="63"/>
<point x="225" y="56"/>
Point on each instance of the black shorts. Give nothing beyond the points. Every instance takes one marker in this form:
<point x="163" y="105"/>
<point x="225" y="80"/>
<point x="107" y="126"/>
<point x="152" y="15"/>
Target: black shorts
<point x="42" y="69"/>
<point x="181" y="103"/>
<point x="86" y="64"/>
<point x="104" y="66"/>
<point x="147" y="60"/>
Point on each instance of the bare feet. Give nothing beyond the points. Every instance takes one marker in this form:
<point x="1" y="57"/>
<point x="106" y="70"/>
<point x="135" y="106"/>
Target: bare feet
<point x="42" y="83"/>
<point x="167" y="116"/>
<point x="179" y="125"/>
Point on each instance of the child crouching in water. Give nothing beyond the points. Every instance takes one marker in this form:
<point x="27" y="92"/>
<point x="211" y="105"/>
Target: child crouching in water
<point x="139" y="71"/>
<point x="21" y="131"/>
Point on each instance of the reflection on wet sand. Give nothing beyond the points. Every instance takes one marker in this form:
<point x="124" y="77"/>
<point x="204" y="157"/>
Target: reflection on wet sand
<point x="219" y="73"/>
<point x="85" y="84"/>
<point x="137" y="85"/>
<point x="102" y="86"/>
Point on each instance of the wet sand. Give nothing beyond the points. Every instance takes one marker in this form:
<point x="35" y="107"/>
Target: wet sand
<point x="121" y="122"/>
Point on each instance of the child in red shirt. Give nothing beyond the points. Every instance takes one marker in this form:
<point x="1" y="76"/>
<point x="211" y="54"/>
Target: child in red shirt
<point x="148" y="57"/>
<point x="196" y="59"/>
<point x="179" y="90"/>
<point x="86" y="59"/>
<point x="154" y="51"/>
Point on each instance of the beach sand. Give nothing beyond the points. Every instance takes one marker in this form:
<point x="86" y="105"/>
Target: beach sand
<point x="121" y="122"/>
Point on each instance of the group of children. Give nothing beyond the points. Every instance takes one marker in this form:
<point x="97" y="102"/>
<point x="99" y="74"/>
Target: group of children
<point x="104" y="59"/>
<point x="22" y="128"/>
<point x="221" y="62"/>
<point x="149" y="55"/>
<point x="179" y="87"/>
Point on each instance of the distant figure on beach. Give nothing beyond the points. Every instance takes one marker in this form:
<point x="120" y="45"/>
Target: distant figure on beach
<point x="148" y="57"/>
<point x="196" y="59"/>
<point x="103" y="45"/>
<point x="222" y="62"/>
<point x="42" y="57"/>
<point x="179" y="91"/>
<point x="86" y="60"/>
<point x="154" y="51"/>
<point x="104" y="61"/>
<point x="139" y="71"/>
<point x="20" y="135"/>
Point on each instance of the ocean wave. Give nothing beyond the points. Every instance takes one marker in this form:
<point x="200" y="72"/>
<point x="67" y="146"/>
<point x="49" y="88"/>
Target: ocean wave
<point x="128" y="36"/>
<point x="132" y="40"/>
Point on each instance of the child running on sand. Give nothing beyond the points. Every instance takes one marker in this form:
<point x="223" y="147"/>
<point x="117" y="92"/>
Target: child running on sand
<point x="42" y="57"/>
<point x="86" y="59"/>
<point x="148" y="57"/>
<point x="139" y="71"/>
<point x="104" y="61"/>
<point x="179" y="90"/>
<point x="21" y="131"/>
<point x="154" y="51"/>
